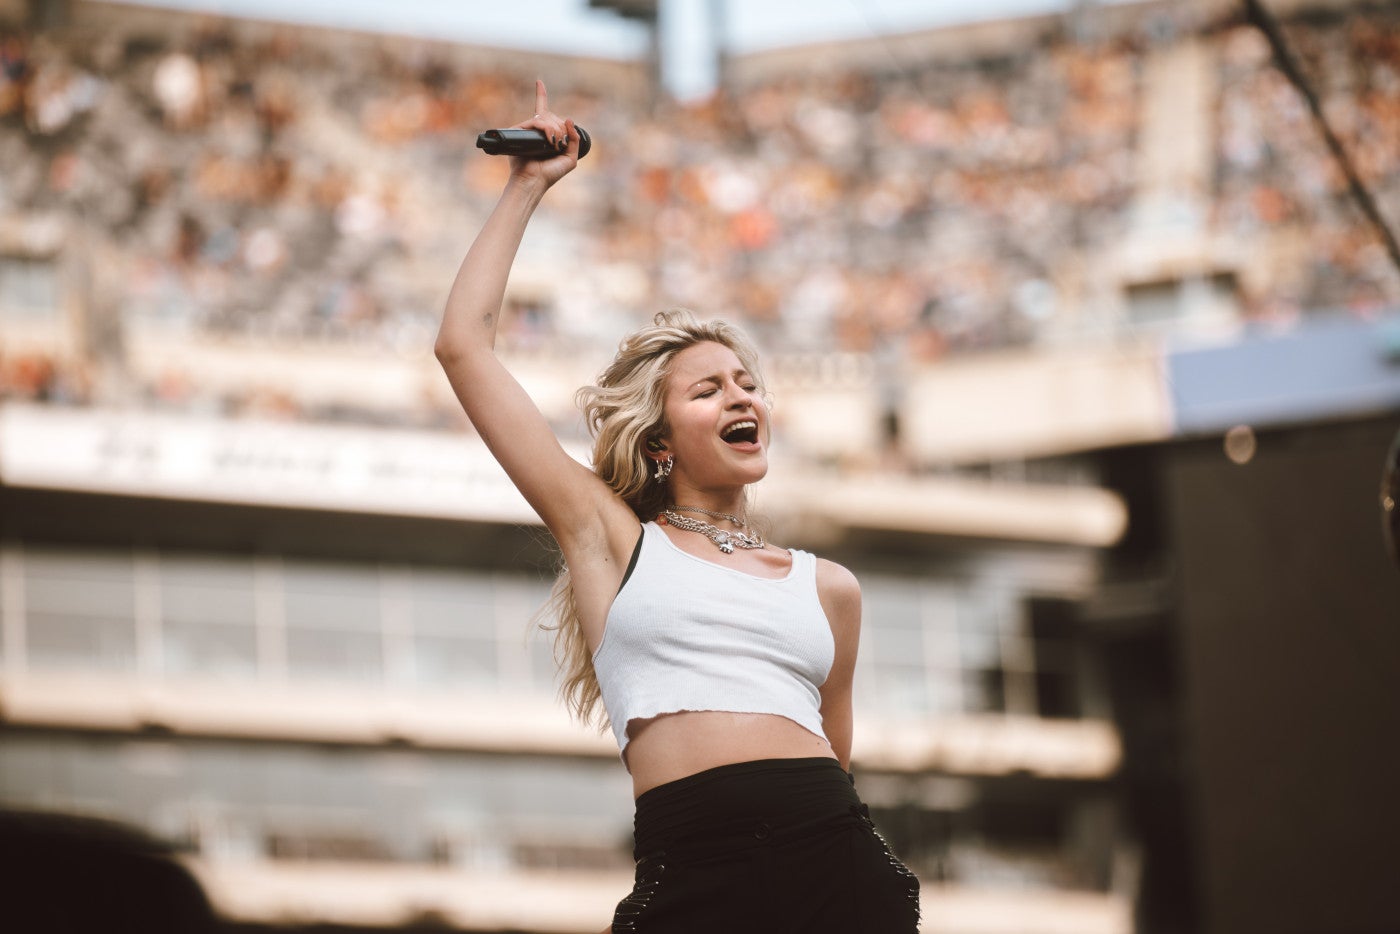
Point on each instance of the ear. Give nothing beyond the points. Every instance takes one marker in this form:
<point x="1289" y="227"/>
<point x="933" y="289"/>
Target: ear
<point x="655" y="448"/>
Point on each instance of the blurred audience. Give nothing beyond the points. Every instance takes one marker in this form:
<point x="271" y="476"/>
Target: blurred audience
<point x="295" y="188"/>
<point x="1278" y="184"/>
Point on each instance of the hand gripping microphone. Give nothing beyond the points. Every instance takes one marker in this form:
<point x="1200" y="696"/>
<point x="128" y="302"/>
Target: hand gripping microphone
<point x="529" y="144"/>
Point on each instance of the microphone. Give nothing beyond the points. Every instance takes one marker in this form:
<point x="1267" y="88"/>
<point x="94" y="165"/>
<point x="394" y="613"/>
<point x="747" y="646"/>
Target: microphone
<point x="531" y="144"/>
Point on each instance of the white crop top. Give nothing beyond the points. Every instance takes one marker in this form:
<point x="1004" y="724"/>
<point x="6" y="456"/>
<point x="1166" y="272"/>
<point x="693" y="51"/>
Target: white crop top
<point x="685" y="633"/>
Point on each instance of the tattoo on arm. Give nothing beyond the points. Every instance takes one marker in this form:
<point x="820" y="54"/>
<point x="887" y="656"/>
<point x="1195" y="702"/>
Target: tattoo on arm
<point x="486" y="319"/>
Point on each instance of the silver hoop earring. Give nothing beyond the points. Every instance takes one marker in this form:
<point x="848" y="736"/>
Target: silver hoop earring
<point x="663" y="468"/>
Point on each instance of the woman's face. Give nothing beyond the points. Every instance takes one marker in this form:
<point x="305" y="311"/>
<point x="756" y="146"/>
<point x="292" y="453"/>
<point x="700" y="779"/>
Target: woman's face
<point x="718" y="420"/>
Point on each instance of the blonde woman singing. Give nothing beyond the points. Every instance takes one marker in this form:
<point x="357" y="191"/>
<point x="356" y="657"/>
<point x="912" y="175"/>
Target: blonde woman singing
<point x="722" y="661"/>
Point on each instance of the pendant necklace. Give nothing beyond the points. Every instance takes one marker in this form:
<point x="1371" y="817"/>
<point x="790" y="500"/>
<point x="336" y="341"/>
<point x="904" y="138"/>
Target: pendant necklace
<point x="724" y="539"/>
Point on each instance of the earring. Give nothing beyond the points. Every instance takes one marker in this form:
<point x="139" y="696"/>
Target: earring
<point x="663" y="468"/>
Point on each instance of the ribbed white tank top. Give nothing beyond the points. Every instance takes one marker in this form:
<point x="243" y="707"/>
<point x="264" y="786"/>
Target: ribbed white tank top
<point x="685" y="633"/>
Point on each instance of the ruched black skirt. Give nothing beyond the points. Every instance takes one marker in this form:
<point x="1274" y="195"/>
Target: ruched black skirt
<point x="778" y="846"/>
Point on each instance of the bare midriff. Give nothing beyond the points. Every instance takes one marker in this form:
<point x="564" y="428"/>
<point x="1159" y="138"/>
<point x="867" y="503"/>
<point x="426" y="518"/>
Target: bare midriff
<point x="675" y="745"/>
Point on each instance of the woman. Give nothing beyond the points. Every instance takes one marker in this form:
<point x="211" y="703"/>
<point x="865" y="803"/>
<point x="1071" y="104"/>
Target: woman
<point x="724" y="663"/>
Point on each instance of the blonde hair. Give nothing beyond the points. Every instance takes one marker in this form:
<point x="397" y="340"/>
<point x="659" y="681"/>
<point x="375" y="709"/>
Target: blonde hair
<point x="623" y="410"/>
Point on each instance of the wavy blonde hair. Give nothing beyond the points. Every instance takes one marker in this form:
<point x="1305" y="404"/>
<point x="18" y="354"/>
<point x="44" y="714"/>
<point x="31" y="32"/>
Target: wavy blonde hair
<point x="623" y="410"/>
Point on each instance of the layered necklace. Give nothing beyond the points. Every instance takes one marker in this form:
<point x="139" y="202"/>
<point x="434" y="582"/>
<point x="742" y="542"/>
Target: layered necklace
<point x="724" y="539"/>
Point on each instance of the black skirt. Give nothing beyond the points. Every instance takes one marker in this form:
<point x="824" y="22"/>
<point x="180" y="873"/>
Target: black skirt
<point x="779" y="846"/>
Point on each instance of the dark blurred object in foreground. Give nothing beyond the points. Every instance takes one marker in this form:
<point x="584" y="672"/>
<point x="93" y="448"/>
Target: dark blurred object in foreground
<point x="75" y="875"/>
<point x="1390" y="496"/>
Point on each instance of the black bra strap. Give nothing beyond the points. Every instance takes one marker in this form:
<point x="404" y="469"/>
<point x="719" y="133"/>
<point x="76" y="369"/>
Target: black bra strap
<point x="632" y="565"/>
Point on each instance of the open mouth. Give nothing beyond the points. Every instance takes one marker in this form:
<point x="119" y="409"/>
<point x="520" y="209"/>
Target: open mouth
<point x="745" y="432"/>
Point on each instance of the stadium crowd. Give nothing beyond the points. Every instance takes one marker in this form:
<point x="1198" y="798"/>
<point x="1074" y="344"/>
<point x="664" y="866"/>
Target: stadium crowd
<point x="293" y="188"/>
<point x="1276" y="178"/>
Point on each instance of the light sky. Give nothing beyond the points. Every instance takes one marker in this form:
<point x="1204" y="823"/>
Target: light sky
<point x="571" y="26"/>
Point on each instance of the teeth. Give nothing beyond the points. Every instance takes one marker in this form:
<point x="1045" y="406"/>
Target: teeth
<point x="739" y="426"/>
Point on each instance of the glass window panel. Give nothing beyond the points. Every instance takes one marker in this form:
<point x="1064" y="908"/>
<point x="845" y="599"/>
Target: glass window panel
<point x="897" y="646"/>
<point x="455" y="662"/>
<point x="944" y="690"/>
<point x="78" y="596"/>
<point x="559" y="790"/>
<point x="903" y="689"/>
<point x="80" y="609"/>
<point x="321" y="596"/>
<point x="226" y="773"/>
<point x="212" y="570"/>
<point x="978" y="611"/>
<point x="242" y="796"/>
<point x="206" y="590"/>
<point x="518" y="600"/>
<point x="940" y="612"/>
<point x="214" y="605"/>
<point x="892" y="625"/>
<point x="941" y="647"/>
<point x="866" y="692"/>
<point x="341" y="779"/>
<point x="452" y="602"/>
<point x="284" y="776"/>
<point x="93" y="780"/>
<point x="207" y="610"/>
<point x="892" y="604"/>
<point x="979" y="648"/>
<point x="540" y="645"/>
<point x="96" y="642"/>
<point x="979" y="639"/>
<point x="214" y="649"/>
<point x="523" y="600"/>
<point x="339" y="656"/>
<point x="87" y="565"/>
<point x="80" y="583"/>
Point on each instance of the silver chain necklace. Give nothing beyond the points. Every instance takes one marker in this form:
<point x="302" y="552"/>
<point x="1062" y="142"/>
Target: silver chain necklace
<point x="718" y="515"/>
<point x="723" y="538"/>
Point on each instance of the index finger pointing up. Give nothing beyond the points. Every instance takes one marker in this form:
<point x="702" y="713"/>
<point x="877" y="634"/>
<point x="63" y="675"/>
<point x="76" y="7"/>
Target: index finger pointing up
<point x="541" y="98"/>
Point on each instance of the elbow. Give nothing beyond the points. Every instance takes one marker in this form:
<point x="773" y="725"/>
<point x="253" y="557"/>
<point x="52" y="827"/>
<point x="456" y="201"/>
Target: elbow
<point x="445" y="350"/>
<point x="452" y="346"/>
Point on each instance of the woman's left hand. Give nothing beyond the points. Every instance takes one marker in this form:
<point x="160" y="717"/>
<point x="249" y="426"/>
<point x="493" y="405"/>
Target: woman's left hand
<point x="560" y="131"/>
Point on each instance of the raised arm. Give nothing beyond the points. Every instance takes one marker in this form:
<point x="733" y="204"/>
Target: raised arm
<point x="587" y="519"/>
<point x="474" y="304"/>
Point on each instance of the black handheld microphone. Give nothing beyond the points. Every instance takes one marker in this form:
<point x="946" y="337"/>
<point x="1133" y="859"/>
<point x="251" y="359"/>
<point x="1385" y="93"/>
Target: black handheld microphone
<point x="531" y="144"/>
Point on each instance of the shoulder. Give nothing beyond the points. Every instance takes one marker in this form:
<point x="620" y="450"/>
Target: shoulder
<point x="836" y="579"/>
<point x="838" y="590"/>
